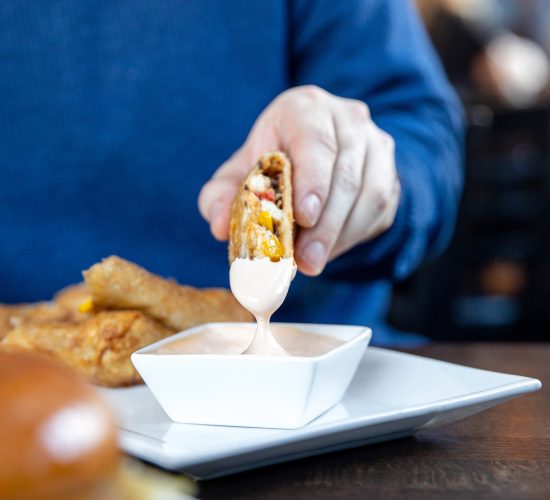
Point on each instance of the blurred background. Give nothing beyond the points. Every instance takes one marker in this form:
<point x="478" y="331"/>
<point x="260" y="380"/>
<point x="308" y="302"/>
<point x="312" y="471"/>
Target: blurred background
<point x="493" y="283"/>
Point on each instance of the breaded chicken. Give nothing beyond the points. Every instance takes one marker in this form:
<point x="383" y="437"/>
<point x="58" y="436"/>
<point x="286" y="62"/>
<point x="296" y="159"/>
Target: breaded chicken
<point x="118" y="284"/>
<point x="6" y="314"/>
<point x="74" y="298"/>
<point x="98" y="348"/>
<point x="12" y="316"/>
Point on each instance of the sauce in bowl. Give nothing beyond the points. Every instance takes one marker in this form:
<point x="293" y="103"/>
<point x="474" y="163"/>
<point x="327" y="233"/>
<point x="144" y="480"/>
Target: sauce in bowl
<point x="226" y="339"/>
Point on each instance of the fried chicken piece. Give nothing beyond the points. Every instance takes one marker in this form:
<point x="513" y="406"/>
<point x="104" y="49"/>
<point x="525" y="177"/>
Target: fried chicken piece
<point x="98" y="348"/>
<point x="118" y="284"/>
<point x="6" y="314"/>
<point x="262" y="222"/>
<point x="12" y="316"/>
<point x="73" y="303"/>
<point x="74" y="298"/>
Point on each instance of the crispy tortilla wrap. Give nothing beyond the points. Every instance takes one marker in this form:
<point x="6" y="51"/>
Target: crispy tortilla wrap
<point x="116" y="283"/>
<point x="262" y="223"/>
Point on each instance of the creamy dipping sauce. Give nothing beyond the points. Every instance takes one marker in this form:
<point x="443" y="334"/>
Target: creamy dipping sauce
<point x="235" y="339"/>
<point x="261" y="285"/>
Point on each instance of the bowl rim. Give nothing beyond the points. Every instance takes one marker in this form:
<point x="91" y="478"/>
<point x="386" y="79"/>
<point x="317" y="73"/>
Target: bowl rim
<point x="364" y="332"/>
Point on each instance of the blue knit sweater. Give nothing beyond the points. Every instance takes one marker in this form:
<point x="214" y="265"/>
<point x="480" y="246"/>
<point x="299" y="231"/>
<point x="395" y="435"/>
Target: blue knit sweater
<point x="113" y="114"/>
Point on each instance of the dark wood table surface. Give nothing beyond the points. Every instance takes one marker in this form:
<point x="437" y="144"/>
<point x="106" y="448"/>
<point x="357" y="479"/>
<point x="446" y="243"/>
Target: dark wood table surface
<point x="503" y="452"/>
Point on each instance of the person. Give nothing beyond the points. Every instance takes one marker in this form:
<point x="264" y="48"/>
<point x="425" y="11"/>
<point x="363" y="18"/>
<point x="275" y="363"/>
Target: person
<point x="115" y="116"/>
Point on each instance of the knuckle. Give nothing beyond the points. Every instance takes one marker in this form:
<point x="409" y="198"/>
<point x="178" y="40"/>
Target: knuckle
<point x="301" y="96"/>
<point x="348" y="177"/>
<point x="388" y="139"/>
<point x="380" y="199"/>
<point x="321" y="139"/>
<point x="327" y="140"/>
<point x="311" y="92"/>
<point x="283" y="97"/>
<point x="359" y="110"/>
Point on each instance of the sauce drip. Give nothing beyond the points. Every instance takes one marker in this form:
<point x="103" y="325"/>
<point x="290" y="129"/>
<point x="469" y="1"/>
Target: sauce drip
<point x="261" y="285"/>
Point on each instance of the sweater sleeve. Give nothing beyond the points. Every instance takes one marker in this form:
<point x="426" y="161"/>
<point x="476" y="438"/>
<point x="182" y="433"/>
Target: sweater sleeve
<point x="378" y="51"/>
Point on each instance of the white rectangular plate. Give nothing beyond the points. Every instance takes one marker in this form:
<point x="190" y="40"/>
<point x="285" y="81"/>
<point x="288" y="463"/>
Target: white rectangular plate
<point x="392" y="395"/>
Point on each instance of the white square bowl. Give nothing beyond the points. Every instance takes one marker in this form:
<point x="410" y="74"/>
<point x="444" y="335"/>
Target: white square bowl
<point x="252" y="391"/>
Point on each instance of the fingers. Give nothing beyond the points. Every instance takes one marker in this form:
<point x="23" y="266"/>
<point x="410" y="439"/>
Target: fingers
<point x="295" y="123"/>
<point x="215" y="201"/>
<point x="218" y="193"/>
<point x="303" y="121"/>
<point x="315" y="245"/>
<point x="345" y="186"/>
<point x="375" y="208"/>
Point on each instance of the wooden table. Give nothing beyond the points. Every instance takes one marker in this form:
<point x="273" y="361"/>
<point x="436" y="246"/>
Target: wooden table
<point x="503" y="452"/>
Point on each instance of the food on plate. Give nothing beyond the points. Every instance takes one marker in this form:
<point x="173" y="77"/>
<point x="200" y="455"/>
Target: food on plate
<point x="59" y="440"/>
<point x="98" y="348"/>
<point x="58" y="437"/>
<point x="115" y="283"/>
<point x="72" y="303"/>
<point x="261" y="246"/>
<point x="76" y="298"/>
<point x="94" y="327"/>
<point x="12" y="316"/>
<point x="6" y="314"/>
<point x="262" y="223"/>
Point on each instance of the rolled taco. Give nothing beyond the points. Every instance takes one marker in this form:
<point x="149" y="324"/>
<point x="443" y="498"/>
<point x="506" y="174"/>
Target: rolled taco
<point x="115" y="283"/>
<point x="262" y="222"/>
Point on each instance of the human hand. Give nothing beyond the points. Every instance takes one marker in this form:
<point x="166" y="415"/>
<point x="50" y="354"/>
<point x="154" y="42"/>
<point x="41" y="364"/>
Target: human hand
<point x="346" y="188"/>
